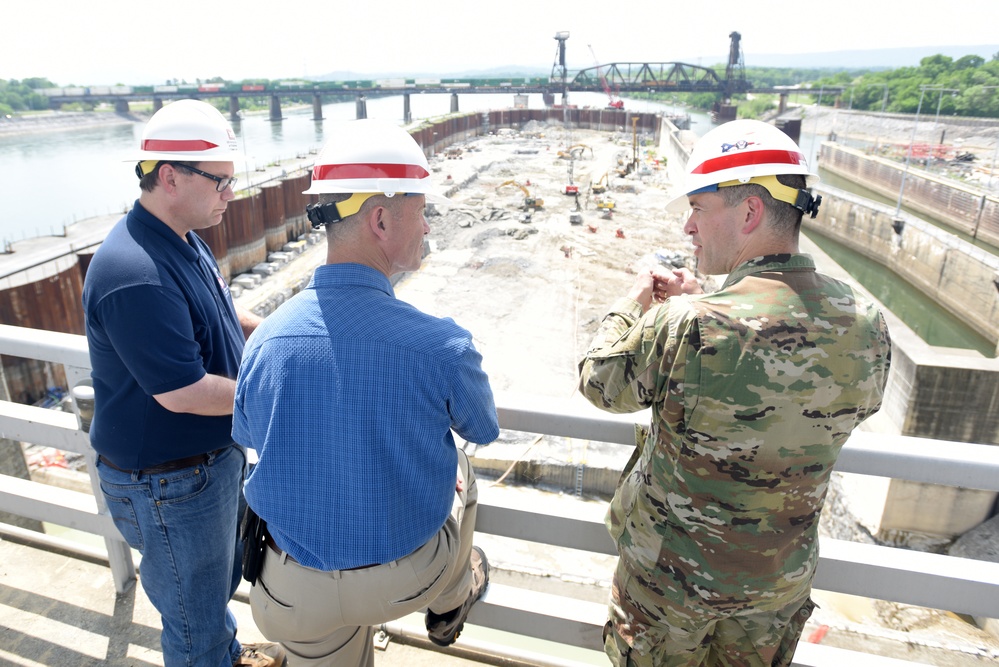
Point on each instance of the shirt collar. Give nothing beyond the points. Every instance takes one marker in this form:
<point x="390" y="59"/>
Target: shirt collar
<point x="783" y="262"/>
<point x="350" y="275"/>
<point x="184" y="246"/>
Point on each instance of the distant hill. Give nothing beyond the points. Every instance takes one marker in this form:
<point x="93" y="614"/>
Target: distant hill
<point x="861" y="59"/>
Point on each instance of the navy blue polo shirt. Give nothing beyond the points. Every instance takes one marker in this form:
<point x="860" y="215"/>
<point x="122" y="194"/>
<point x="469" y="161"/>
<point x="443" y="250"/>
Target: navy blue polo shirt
<point x="159" y="317"/>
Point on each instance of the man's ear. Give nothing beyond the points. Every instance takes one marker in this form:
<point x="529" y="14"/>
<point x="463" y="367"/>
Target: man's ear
<point x="378" y="218"/>
<point x="755" y="213"/>
<point x="167" y="177"/>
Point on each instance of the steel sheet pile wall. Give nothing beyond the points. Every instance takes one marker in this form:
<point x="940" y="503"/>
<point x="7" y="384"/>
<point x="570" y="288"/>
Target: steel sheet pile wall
<point x="435" y="137"/>
<point x="604" y="120"/>
<point x="295" y="202"/>
<point x="272" y="203"/>
<point x="966" y="209"/>
<point x="217" y="238"/>
<point x="244" y="222"/>
<point x="46" y="297"/>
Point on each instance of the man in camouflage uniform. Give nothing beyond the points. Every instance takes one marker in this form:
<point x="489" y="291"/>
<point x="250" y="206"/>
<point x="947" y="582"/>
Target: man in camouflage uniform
<point x="753" y="389"/>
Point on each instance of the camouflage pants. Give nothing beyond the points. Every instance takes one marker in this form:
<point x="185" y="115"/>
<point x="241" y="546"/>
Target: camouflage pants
<point x="767" y="639"/>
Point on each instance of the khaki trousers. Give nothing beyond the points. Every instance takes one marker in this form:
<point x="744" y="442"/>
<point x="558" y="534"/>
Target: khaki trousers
<point x="328" y="618"/>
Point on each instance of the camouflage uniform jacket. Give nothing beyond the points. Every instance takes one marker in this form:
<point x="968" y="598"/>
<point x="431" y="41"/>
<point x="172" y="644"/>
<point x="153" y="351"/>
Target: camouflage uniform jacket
<point x="753" y="390"/>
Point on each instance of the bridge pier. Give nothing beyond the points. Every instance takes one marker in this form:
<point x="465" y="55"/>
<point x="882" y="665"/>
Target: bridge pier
<point x="361" y="108"/>
<point x="454" y="102"/>
<point x="317" y="107"/>
<point x="121" y="106"/>
<point x="782" y="104"/>
<point x="548" y="99"/>
<point x="407" y="113"/>
<point x="275" y="108"/>
<point x="234" y="108"/>
<point x="157" y="104"/>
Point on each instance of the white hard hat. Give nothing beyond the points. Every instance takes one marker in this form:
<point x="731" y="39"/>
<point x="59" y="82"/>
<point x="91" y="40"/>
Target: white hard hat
<point x="187" y="131"/>
<point x="739" y="152"/>
<point x="372" y="156"/>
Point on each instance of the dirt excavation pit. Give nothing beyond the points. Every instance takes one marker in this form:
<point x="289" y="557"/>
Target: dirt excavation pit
<point x="532" y="284"/>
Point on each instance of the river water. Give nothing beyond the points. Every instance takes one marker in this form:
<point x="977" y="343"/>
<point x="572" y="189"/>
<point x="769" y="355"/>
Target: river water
<point x="53" y="179"/>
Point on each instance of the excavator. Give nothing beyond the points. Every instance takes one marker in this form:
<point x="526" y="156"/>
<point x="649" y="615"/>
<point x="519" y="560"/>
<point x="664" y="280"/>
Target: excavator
<point x="530" y="203"/>
<point x="575" y="152"/>
<point x="600" y="186"/>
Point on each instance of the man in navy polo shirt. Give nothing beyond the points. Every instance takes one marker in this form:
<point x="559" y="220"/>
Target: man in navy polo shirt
<point x="165" y="345"/>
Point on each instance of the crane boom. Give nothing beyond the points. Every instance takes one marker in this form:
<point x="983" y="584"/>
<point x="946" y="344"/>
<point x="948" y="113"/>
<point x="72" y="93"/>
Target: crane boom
<point x="612" y="102"/>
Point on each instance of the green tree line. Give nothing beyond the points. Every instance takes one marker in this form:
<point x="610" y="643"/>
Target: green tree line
<point x="20" y="96"/>
<point x="967" y="86"/>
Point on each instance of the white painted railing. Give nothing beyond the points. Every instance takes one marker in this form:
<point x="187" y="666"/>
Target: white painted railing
<point x="929" y="580"/>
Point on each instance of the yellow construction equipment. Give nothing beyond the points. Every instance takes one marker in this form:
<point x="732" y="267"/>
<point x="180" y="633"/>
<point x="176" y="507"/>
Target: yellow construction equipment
<point x="529" y="201"/>
<point x="600" y="186"/>
<point x="605" y="203"/>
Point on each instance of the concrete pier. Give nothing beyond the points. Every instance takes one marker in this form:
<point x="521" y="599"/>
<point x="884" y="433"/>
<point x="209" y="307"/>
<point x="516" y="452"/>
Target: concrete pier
<point x="275" y="108"/>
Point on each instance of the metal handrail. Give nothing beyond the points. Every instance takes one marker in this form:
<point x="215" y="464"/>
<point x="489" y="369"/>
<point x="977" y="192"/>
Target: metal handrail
<point x="905" y="576"/>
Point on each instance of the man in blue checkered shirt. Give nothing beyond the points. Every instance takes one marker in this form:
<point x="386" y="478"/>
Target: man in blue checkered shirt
<point x="350" y="397"/>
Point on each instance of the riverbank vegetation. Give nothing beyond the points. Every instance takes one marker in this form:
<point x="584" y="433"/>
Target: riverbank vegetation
<point x="21" y="96"/>
<point x="967" y="86"/>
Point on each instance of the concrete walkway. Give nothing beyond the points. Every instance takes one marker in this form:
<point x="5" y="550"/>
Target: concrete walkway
<point x="57" y="610"/>
<point x="60" y="609"/>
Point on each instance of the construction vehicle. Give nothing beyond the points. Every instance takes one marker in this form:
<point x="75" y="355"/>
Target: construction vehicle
<point x="605" y="203"/>
<point x="575" y="218"/>
<point x="575" y="152"/>
<point x="600" y="186"/>
<point x="612" y="102"/>
<point x="530" y="203"/>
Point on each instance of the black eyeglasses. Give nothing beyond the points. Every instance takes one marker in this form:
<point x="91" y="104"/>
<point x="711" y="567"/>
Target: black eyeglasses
<point x="221" y="183"/>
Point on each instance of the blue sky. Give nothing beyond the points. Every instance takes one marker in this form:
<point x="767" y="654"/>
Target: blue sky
<point x="113" y="41"/>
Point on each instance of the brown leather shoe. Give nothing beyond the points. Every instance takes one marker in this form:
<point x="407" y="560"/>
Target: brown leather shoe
<point x="261" y="655"/>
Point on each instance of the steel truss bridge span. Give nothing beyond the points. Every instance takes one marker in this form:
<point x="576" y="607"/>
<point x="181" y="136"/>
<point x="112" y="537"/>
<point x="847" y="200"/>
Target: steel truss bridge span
<point x="644" y="77"/>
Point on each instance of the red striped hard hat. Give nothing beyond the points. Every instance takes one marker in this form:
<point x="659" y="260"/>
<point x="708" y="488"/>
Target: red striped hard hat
<point x="739" y="151"/>
<point x="187" y="131"/>
<point x="372" y="156"/>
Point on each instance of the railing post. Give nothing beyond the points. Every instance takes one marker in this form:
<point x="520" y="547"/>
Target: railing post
<point x="119" y="552"/>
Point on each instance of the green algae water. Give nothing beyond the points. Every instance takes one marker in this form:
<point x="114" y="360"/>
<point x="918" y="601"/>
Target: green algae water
<point x="932" y="323"/>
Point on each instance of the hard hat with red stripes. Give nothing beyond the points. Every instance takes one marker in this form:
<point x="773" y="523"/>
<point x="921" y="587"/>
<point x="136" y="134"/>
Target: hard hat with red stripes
<point x="368" y="157"/>
<point x="186" y="131"/>
<point x="747" y="151"/>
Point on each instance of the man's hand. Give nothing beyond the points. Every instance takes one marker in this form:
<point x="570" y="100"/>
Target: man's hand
<point x="657" y="286"/>
<point x="682" y="282"/>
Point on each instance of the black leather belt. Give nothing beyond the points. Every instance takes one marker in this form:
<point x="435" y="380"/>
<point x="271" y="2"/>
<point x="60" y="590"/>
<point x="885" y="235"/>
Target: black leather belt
<point x="169" y="466"/>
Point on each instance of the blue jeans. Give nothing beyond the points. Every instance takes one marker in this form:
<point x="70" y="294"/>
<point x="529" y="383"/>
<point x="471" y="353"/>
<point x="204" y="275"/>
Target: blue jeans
<point x="185" y="525"/>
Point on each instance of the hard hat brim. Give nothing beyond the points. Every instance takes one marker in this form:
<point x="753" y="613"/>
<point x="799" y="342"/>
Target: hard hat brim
<point x="678" y="204"/>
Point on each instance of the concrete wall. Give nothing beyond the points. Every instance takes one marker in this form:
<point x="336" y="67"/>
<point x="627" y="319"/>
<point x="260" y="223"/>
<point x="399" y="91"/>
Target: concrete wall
<point x="967" y="209"/>
<point x="955" y="274"/>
